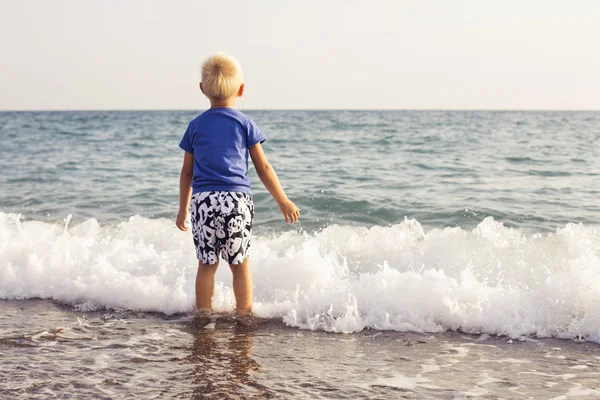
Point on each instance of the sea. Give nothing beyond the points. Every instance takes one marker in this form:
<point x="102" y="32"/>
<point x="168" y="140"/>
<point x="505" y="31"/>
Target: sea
<point x="439" y="254"/>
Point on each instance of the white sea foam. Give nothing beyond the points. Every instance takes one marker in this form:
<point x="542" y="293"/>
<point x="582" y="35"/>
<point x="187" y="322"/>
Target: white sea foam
<point x="493" y="279"/>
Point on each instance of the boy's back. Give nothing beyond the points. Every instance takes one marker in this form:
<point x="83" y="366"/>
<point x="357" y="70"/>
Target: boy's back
<point x="219" y="139"/>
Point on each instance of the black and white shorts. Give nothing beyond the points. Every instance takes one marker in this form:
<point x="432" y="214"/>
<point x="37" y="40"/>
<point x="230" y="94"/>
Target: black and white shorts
<point x="222" y="223"/>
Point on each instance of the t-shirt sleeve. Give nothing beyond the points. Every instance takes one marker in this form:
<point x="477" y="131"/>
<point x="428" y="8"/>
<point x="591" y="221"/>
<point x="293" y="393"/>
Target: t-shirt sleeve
<point x="255" y="135"/>
<point x="186" y="140"/>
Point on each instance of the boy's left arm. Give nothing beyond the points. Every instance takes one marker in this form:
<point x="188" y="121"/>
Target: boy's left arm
<point x="185" y="190"/>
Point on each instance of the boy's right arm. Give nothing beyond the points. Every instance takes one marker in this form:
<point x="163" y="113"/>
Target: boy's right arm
<point x="268" y="177"/>
<point x="185" y="190"/>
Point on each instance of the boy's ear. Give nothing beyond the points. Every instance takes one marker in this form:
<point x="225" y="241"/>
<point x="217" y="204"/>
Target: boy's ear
<point x="241" y="90"/>
<point x="202" y="90"/>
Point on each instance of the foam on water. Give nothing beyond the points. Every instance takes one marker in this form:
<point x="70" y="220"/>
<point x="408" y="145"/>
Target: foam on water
<point x="493" y="279"/>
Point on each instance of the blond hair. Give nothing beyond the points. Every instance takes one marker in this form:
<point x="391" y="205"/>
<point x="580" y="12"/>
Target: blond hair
<point x="221" y="76"/>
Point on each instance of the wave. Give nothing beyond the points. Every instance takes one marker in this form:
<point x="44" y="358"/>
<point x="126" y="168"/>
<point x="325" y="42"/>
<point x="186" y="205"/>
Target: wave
<point x="492" y="279"/>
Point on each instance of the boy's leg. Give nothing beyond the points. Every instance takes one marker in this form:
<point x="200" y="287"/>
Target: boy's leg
<point x="202" y="213"/>
<point x="242" y="287"/>
<point x="205" y="286"/>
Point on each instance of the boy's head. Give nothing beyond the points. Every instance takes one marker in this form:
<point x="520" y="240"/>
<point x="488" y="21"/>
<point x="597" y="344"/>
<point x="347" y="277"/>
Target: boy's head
<point x="221" y="77"/>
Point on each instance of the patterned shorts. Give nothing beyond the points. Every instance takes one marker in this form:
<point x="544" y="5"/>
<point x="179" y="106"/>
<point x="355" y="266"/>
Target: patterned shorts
<point x="222" y="223"/>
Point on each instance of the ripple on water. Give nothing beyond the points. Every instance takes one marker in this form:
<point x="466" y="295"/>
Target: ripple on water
<point x="49" y="349"/>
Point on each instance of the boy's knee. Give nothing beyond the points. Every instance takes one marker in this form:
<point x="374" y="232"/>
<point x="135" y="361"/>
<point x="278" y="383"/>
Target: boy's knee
<point x="208" y="267"/>
<point x="243" y="266"/>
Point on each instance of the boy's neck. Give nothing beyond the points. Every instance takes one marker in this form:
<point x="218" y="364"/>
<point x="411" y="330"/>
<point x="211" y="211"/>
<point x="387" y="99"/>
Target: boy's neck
<point x="225" y="103"/>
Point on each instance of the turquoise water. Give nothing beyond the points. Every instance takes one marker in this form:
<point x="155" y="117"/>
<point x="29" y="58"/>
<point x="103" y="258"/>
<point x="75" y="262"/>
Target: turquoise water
<point x="531" y="170"/>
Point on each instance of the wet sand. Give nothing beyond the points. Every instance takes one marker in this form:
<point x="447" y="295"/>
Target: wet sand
<point x="50" y="350"/>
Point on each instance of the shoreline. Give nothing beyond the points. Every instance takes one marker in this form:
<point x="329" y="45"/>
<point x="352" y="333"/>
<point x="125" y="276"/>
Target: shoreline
<point x="49" y="348"/>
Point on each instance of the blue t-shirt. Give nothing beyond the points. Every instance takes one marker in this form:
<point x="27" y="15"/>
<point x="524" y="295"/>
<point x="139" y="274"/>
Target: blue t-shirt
<point x="219" y="139"/>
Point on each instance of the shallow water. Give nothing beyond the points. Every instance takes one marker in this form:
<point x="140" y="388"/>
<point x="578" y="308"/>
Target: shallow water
<point x="430" y="222"/>
<point x="52" y="351"/>
<point x="491" y="279"/>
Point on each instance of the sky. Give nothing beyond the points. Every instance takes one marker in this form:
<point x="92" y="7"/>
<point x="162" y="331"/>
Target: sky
<point x="309" y="54"/>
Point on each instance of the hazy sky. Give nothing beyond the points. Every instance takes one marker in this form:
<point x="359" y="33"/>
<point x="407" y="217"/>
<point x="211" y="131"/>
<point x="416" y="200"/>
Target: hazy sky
<point x="434" y="54"/>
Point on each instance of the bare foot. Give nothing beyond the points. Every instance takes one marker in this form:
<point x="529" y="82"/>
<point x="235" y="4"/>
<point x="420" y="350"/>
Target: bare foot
<point x="247" y="319"/>
<point x="203" y="318"/>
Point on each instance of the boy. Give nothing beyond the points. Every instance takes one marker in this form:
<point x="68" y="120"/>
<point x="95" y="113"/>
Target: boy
<point x="215" y="176"/>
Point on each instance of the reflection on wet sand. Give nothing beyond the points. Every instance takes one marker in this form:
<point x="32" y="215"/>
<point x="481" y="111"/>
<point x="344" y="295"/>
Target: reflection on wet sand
<point x="49" y="351"/>
<point x="222" y="361"/>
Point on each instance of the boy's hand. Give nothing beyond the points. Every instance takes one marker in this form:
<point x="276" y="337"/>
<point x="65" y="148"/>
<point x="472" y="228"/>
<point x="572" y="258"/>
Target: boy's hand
<point x="290" y="212"/>
<point x="181" y="221"/>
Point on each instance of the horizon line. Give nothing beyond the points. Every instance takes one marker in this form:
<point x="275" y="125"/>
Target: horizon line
<point x="306" y="109"/>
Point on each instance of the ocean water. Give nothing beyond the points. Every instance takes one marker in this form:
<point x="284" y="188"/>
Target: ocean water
<point x="430" y="222"/>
